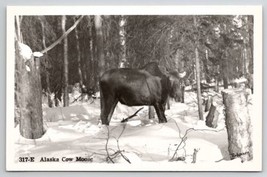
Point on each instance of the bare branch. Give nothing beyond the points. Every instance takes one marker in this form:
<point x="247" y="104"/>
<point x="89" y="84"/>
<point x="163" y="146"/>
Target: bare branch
<point x="108" y="156"/>
<point x="125" y="158"/>
<point x="135" y="114"/>
<point x="184" y="138"/>
<point x="63" y="36"/>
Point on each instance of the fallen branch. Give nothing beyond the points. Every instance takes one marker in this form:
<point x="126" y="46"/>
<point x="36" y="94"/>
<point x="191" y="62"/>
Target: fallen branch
<point x="183" y="139"/>
<point x="135" y="114"/>
<point x="76" y="99"/>
<point x="117" y="139"/>
<point x="110" y="157"/>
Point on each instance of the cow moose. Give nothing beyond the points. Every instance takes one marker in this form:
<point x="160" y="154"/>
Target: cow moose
<point x="134" y="87"/>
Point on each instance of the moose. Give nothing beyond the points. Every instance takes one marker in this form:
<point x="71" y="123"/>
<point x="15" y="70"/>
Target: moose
<point x="135" y="87"/>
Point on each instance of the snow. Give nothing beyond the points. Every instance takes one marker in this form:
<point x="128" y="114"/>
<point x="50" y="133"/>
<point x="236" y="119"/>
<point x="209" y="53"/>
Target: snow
<point x="25" y="51"/>
<point x="75" y="131"/>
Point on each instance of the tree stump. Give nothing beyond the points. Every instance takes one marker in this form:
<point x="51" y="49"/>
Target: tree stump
<point x="208" y="104"/>
<point x="238" y="124"/>
<point x="28" y="97"/>
<point x="211" y="119"/>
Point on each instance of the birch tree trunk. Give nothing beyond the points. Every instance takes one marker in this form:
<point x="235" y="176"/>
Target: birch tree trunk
<point x="200" y="109"/>
<point x="238" y="124"/>
<point x="122" y="34"/>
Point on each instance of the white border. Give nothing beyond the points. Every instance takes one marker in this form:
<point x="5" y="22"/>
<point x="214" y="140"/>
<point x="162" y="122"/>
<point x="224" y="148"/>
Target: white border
<point x="255" y="165"/>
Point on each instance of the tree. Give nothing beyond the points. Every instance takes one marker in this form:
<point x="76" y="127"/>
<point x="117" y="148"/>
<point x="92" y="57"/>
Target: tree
<point x="28" y="91"/>
<point x="99" y="44"/>
<point x="238" y="124"/>
<point x="46" y="64"/>
<point x="122" y="34"/>
<point x="79" y="57"/>
<point x="65" y="63"/>
<point x="199" y="100"/>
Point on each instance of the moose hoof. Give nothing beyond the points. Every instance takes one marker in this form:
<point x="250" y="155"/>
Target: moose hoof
<point x="162" y="121"/>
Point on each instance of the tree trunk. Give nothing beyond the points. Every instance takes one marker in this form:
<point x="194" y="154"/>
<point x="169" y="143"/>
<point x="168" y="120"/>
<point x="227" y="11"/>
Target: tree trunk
<point x="50" y="103"/>
<point x="89" y="68"/>
<point x="95" y="62"/>
<point x="205" y="65"/>
<point x="208" y="104"/>
<point x="217" y="85"/>
<point x="122" y="34"/>
<point x="250" y="43"/>
<point x="199" y="100"/>
<point x="18" y="31"/>
<point x="79" y="58"/>
<point x="47" y="78"/>
<point x="28" y="96"/>
<point x="224" y="71"/>
<point x="211" y="119"/>
<point x="238" y="124"/>
<point x="99" y="45"/>
<point x="65" y="63"/>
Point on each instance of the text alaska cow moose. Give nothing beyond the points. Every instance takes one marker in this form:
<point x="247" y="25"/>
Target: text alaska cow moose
<point x="134" y="87"/>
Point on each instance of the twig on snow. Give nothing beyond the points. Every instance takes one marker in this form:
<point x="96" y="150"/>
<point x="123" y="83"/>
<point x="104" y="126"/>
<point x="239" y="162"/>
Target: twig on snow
<point x="135" y="114"/>
<point x="118" y="146"/>
<point x="76" y="99"/>
<point x="110" y="157"/>
<point x="183" y="139"/>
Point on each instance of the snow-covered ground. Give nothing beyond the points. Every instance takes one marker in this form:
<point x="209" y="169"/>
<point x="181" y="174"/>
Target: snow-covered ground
<point x="75" y="131"/>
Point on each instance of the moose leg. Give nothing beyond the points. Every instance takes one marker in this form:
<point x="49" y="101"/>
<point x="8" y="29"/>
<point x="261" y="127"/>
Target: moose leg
<point x="160" y="112"/>
<point x="108" y="105"/>
<point x="111" y="111"/>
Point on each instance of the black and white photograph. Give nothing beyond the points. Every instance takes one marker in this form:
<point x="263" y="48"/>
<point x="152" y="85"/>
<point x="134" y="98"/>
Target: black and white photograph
<point x="134" y="88"/>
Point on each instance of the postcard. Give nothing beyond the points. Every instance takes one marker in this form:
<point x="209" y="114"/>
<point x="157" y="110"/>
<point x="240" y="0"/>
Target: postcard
<point x="134" y="88"/>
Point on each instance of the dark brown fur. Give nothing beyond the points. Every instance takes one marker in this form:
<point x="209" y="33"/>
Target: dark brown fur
<point x="134" y="87"/>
